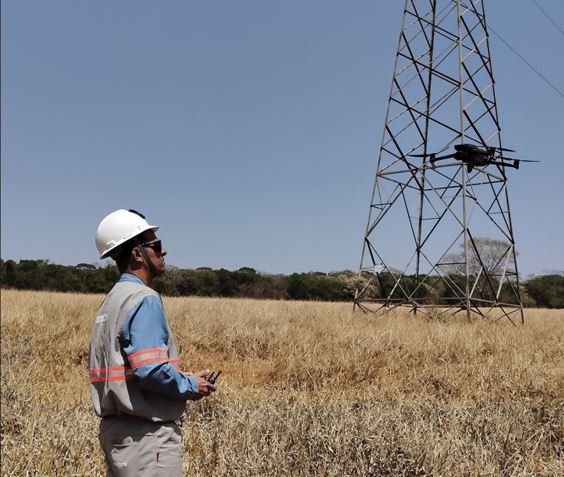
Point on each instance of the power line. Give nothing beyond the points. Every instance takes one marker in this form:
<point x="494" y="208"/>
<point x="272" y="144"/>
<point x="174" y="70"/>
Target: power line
<point x="548" y="17"/>
<point x="544" y="78"/>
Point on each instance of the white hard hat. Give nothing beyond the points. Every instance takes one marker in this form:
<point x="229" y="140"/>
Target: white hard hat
<point x="117" y="228"/>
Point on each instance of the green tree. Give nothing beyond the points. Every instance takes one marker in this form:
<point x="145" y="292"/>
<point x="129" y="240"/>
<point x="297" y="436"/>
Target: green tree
<point x="9" y="275"/>
<point x="206" y="282"/>
<point x="547" y="291"/>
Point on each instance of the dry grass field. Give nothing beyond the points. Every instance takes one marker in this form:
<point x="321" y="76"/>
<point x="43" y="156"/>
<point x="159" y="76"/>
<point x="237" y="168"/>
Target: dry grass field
<point x="308" y="389"/>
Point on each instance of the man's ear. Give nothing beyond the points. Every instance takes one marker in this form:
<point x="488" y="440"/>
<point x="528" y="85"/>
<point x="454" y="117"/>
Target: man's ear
<point x="137" y="255"/>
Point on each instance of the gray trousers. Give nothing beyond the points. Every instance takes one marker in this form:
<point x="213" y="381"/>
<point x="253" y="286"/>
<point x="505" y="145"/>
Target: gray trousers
<point x="135" y="447"/>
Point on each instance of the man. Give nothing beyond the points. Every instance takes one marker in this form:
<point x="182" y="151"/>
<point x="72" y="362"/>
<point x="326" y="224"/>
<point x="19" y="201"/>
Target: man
<point x="137" y="387"/>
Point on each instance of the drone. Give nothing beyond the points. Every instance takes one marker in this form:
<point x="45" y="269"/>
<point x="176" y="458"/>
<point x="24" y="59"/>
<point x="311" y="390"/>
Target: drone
<point x="476" y="156"/>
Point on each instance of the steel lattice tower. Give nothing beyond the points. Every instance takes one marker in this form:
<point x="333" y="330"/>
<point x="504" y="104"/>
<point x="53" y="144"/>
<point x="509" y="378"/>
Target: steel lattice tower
<point x="439" y="236"/>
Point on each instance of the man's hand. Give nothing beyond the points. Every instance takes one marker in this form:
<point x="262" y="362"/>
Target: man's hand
<point x="205" y="388"/>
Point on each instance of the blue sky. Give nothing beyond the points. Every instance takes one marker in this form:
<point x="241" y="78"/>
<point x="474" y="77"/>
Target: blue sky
<point x="248" y="130"/>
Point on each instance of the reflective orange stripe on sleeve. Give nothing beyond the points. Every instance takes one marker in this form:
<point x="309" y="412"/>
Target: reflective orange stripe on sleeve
<point x="152" y="355"/>
<point x="133" y="356"/>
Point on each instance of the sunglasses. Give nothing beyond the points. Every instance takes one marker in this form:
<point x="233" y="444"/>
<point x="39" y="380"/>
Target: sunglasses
<point x="156" y="245"/>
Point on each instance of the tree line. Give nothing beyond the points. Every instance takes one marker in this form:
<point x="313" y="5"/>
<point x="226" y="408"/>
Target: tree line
<point x="545" y="291"/>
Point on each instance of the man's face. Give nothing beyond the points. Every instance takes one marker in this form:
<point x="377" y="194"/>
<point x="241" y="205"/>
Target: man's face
<point x="154" y="250"/>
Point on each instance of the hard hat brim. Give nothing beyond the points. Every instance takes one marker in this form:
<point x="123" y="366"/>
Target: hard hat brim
<point x="108" y="251"/>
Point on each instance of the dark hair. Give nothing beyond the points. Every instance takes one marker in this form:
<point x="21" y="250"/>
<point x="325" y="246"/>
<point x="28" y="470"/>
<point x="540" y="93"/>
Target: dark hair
<point x="123" y="252"/>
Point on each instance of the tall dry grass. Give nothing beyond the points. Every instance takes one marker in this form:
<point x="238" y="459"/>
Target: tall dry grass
<point x="308" y="389"/>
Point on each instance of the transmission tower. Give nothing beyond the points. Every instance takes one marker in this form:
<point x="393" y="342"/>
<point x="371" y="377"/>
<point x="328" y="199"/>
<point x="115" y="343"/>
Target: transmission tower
<point x="439" y="237"/>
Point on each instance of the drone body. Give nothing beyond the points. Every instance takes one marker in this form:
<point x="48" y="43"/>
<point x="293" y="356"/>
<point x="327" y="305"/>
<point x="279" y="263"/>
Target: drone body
<point x="477" y="156"/>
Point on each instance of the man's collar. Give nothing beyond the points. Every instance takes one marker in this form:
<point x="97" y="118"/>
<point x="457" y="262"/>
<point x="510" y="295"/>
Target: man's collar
<point x="129" y="277"/>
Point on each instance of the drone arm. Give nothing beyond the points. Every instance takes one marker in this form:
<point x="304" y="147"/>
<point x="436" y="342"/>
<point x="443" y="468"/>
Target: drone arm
<point x="435" y="158"/>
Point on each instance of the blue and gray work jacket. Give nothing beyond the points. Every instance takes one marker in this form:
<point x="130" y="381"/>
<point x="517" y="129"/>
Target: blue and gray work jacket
<point x="133" y="359"/>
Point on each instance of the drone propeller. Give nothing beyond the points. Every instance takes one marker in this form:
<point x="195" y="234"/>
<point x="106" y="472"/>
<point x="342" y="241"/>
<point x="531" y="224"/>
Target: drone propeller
<point x="504" y="162"/>
<point x="515" y="159"/>
<point x="433" y="156"/>
<point x="493" y="148"/>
